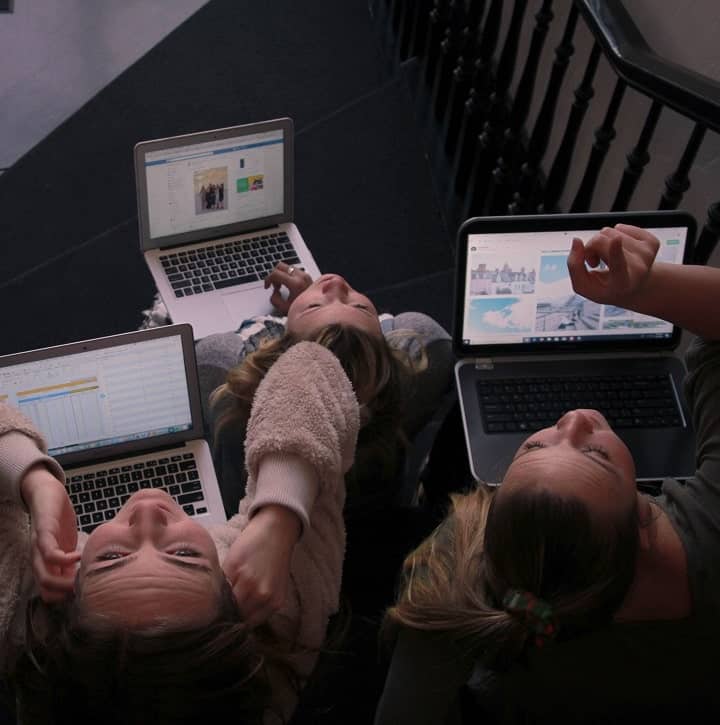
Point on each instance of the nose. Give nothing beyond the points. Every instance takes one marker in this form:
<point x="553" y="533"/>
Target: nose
<point x="148" y="519"/>
<point x="335" y="287"/>
<point x="575" y="425"/>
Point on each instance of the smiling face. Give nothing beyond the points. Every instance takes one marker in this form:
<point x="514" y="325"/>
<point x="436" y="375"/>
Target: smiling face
<point x="331" y="300"/>
<point x="580" y="456"/>
<point x="152" y="563"/>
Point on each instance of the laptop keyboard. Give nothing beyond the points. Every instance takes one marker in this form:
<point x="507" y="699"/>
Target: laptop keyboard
<point x="227" y="264"/>
<point x="98" y="495"/>
<point x="634" y="401"/>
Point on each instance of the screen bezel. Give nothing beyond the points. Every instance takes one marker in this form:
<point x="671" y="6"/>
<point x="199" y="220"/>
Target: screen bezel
<point x="118" y="450"/>
<point x="560" y="222"/>
<point x="224" y="230"/>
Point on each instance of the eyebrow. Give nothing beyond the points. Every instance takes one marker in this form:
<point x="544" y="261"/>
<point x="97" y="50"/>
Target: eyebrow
<point x="368" y="309"/>
<point x="606" y="465"/>
<point x="166" y="557"/>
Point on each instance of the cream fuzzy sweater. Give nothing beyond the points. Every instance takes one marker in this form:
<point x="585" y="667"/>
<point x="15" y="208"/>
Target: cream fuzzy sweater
<point x="300" y="442"/>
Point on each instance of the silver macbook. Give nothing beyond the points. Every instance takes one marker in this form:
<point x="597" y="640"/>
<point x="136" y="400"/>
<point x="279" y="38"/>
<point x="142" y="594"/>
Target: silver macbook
<point x="215" y="214"/>
<point x="120" y="414"/>
<point x="531" y="348"/>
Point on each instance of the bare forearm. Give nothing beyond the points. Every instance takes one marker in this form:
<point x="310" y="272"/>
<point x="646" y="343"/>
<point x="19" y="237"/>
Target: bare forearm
<point x="688" y="296"/>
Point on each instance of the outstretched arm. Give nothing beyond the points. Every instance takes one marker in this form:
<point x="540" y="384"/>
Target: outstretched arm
<point x="301" y="441"/>
<point x="686" y="295"/>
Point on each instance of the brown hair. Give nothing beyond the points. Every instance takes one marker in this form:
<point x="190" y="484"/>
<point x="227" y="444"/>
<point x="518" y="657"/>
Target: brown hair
<point x="380" y="375"/>
<point x="530" y="540"/>
<point x="77" y="668"/>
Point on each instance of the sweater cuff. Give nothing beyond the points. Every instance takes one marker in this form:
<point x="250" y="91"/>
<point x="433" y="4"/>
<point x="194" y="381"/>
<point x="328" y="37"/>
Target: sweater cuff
<point x="18" y="454"/>
<point x="286" y="480"/>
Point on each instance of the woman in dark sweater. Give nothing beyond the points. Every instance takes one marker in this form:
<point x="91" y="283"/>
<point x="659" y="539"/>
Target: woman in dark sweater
<point x="567" y="592"/>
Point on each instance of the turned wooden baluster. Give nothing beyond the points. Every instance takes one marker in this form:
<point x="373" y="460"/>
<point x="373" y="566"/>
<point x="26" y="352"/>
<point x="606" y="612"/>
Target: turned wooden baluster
<point x="709" y="235"/>
<point x="435" y="29"/>
<point x="476" y="105"/>
<point x="525" y="197"/>
<point x="487" y="142"/>
<point x="454" y="42"/>
<point x="559" y="170"/>
<point x="603" y="138"/>
<point x="418" y="27"/>
<point x="637" y="159"/>
<point x="678" y="183"/>
<point x="464" y="76"/>
<point x="407" y="15"/>
<point x="502" y="175"/>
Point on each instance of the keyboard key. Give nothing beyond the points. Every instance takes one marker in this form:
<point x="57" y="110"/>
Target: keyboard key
<point x="232" y="281"/>
<point x="190" y="497"/>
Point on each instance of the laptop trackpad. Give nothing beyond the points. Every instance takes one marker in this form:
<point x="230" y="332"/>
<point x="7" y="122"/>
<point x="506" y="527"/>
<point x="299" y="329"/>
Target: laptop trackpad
<point x="247" y="303"/>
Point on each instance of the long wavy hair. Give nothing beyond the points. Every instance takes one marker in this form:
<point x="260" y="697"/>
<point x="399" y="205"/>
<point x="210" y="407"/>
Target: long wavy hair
<point x="380" y="374"/>
<point x="531" y="540"/>
<point x="77" y="668"/>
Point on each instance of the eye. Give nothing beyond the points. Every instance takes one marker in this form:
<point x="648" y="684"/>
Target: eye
<point x="529" y="445"/>
<point x="600" y="451"/>
<point x="313" y="304"/>
<point x="184" y="550"/>
<point x="110" y="555"/>
<point x="362" y="307"/>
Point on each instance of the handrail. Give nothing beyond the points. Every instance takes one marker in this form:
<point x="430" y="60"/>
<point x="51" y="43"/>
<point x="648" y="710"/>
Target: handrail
<point x="691" y="94"/>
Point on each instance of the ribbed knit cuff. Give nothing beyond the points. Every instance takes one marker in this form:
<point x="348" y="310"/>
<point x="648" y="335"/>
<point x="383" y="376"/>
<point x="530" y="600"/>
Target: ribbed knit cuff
<point x="18" y="454"/>
<point x="286" y="481"/>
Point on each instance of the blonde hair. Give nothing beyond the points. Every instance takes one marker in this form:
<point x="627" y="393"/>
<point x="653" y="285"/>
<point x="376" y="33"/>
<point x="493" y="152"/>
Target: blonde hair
<point x="530" y="540"/>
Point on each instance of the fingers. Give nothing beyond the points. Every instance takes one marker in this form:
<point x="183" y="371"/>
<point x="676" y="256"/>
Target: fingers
<point x="51" y="552"/>
<point x="637" y="233"/>
<point x="296" y="282"/>
<point x="257" y="601"/>
<point x="55" y="582"/>
<point x="579" y="274"/>
<point x="279" y="302"/>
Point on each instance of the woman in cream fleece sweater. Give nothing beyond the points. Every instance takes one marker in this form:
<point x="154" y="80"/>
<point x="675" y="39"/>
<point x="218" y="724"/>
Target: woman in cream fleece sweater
<point x="147" y="628"/>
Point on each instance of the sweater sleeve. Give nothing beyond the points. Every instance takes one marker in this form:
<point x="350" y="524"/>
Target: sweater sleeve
<point x="303" y="429"/>
<point x="301" y="440"/>
<point x="21" y="448"/>
<point x="694" y="506"/>
<point x="421" y="337"/>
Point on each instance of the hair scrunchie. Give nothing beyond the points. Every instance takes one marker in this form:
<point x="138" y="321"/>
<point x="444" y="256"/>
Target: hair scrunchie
<point x="536" y="612"/>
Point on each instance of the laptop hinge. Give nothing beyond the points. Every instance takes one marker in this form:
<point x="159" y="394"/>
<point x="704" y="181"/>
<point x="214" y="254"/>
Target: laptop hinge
<point x="483" y="363"/>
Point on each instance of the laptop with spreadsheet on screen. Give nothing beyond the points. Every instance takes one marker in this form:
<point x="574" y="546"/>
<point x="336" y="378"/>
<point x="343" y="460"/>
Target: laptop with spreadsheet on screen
<point x="120" y="414"/>
<point x="215" y="215"/>
<point x="531" y="348"/>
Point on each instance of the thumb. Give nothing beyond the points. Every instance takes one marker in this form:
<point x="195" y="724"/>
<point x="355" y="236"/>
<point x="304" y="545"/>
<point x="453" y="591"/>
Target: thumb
<point x="579" y="274"/>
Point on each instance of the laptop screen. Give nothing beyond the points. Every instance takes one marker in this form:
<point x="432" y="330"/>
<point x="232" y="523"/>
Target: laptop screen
<point x="516" y="290"/>
<point x="201" y="185"/>
<point x="105" y="396"/>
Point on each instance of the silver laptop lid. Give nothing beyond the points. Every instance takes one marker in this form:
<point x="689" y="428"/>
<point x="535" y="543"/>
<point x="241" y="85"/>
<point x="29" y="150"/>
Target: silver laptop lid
<point x="514" y="296"/>
<point x="214" y="183"/>
<point x="110" y="396"/>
